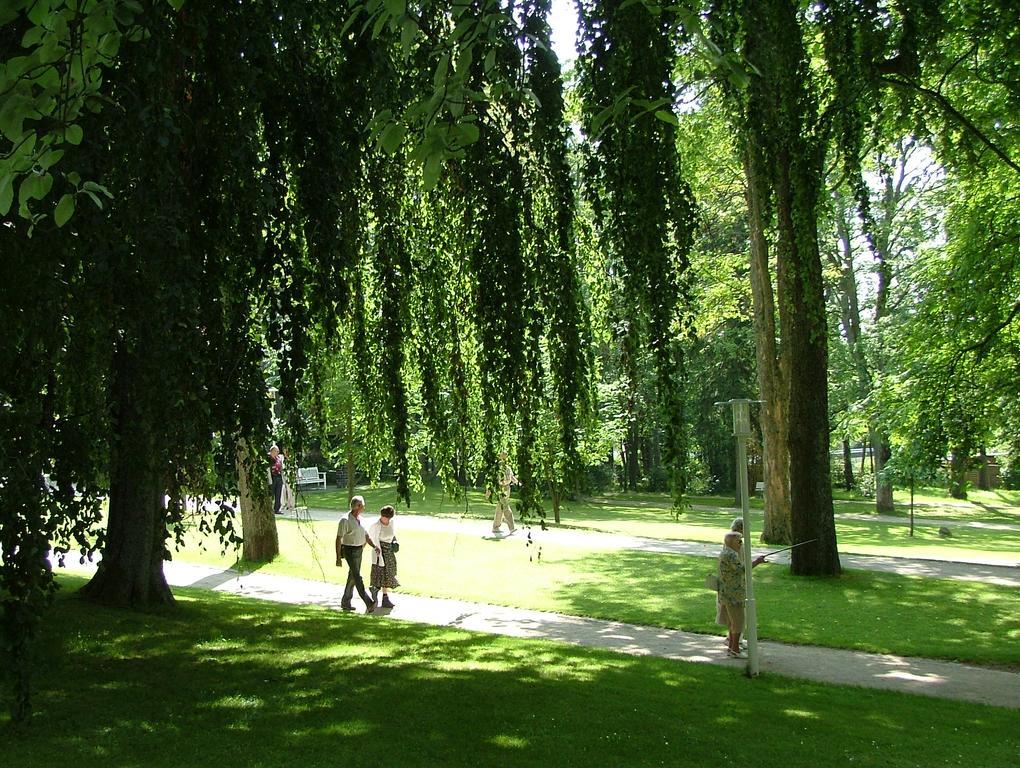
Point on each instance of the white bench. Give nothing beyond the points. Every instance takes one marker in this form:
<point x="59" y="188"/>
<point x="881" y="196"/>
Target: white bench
<point x="759" y="487"/>
<point x="310" y="476"/>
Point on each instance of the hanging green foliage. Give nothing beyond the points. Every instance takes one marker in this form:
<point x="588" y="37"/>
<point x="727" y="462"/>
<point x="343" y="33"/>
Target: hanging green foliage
<point x="644" y="206"/>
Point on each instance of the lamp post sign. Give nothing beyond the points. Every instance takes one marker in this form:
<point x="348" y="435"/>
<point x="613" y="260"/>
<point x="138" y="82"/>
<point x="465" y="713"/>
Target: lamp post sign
<point x="741" y="431"/>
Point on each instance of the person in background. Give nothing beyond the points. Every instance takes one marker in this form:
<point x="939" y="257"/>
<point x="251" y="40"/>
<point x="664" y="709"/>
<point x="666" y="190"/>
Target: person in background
<point x="350" y="545"/>
<point x="288" y="501"/>
<point x="503" y="510"/>
<point x="384" y="560"/>
<point x="276" y="476"/>
<point x="732" y="587"/>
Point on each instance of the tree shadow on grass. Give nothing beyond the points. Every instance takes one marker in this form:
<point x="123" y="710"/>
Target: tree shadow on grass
<point x="227" y="682"/>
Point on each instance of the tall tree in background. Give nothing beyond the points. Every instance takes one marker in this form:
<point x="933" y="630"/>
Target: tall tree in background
<point x="784" y="151"/>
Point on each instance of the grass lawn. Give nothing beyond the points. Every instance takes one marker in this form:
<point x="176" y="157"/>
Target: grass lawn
<point x="647" y="514"/>
<point x="227" y="682"/>
<point x="861" y="610"/>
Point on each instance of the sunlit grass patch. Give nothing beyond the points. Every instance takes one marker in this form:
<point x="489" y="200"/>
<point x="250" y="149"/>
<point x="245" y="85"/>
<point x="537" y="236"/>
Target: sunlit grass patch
<point x="408" y="695"/>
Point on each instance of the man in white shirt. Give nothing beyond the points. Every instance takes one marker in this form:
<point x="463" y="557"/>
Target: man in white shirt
<point x="350" y="545"/>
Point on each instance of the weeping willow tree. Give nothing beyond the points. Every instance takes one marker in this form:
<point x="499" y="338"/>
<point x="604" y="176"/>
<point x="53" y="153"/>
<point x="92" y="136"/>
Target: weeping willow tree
<point x="644" y="208"/>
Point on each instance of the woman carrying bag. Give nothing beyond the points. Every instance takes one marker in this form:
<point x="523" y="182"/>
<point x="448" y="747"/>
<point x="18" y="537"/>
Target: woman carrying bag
<point x="384" y="559"/>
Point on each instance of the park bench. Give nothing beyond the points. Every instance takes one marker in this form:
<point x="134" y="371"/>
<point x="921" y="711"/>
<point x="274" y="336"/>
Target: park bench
<point x="759" y="487"/>
<point x="310" y="476"/>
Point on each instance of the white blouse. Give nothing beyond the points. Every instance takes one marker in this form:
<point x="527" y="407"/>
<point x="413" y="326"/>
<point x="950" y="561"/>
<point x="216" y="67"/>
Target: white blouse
<point x="379" y="533"/>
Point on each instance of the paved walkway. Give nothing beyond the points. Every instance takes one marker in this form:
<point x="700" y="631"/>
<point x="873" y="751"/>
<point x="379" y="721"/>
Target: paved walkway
<point x="910" y="675"/>
<point x="927" y="521"/>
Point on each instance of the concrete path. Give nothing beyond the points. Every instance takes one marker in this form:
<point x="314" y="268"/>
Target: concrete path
<point x="927" y="521"/>
<point x="987" y="571"/>
<point x="909" y="675"/>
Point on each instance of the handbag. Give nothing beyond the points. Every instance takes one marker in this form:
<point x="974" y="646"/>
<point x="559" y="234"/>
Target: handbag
<point x="712" y="582"/>
<point x="394" y="546"/>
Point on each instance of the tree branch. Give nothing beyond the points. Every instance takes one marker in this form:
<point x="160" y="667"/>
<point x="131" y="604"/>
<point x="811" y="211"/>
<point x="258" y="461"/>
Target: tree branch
<point x="958" y="116"/>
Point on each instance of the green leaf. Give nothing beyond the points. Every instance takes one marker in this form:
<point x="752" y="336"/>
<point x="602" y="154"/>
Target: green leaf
<point x="407" y="35"/>
<point x="34" y="186"/>
<point x="667" y="117"/>
<point x="391" y="137"/>
<point x="64" y="210"/>
<point x="95" y="199"/>
<point x="13" y="111"/>
<point x="32" y="37"/>
<point x="110" y="45"/>
<point x="442" y="68"/>
<point x="91" y="186"/>
<point x="6" y="193"/>
<point x="50" y="158"/>
<point x="430" y="171"/>
<point x="396" y="7"/>
<point x="73" y="134"/>
<point x="176" y="4"/>
<point x="467" y="133"/>
<point x="38" y="12"/>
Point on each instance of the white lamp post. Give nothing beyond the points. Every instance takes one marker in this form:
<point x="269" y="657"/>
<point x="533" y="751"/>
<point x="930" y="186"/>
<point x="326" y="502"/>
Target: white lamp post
<point x="742" y="431"/>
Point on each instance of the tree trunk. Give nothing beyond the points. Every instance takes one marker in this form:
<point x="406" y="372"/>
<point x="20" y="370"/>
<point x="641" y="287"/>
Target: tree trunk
<point x="130" y="573"/>
<point x="782" y="106"/>
<point x="958" y="461"/>
<point x="882" y="452"/>
<point x="258" y="524"/>
<point x="803" y="321"/>
<point x="633" y="465"/>
<point x="773" y="376"/>
<point x="984" y="476"/>
<point x="848" y="466"/>
<point x="851" y="320"/>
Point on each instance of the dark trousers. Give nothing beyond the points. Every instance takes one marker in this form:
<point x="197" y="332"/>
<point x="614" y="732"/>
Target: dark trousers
<point x="277" y="493"/>
<point x="353" y="557"/>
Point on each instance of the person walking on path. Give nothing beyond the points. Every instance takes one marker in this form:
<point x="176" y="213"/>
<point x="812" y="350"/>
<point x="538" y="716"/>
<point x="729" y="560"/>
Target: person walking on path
<point x="384" y="559"/>
<point x="730" y="602"/>
<point x="350" y="545"/>
<point x="503" y="510"/>
<point x="288" y="501"/>
<point x="276" y="476"/>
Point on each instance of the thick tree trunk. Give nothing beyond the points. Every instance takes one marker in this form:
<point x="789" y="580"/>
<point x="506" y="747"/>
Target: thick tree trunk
<point x="782" y="106"/>
<point x="131" y="570"/>
<point x="258" y="524"/>
<point x="803" y="322"/>
<point x="773" y="376"/>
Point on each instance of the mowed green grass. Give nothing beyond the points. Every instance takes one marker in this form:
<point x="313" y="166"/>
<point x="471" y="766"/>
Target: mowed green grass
<point x="868" y="611"/>
<point x="648" y="515"/>
<point x="222" y="681"/>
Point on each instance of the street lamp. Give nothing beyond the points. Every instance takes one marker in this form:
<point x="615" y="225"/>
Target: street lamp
<point x="741" y="431"/>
